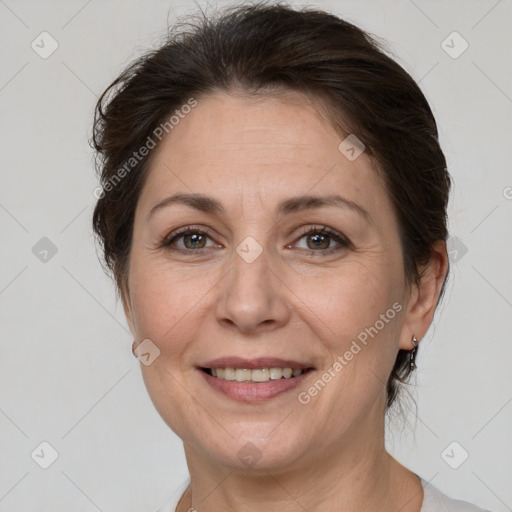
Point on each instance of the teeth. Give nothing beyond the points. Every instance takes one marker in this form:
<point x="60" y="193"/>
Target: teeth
<point x="262" y="375"/>
<point x="229" y="373"/>
<point x="257" y="375"/>
<point x="276" y="373"/>
<point x="287" y="373"/>
<point x="241" y="375"/>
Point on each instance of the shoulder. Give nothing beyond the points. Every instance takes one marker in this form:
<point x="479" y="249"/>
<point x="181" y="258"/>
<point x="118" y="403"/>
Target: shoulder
<point x="435" y="501"/>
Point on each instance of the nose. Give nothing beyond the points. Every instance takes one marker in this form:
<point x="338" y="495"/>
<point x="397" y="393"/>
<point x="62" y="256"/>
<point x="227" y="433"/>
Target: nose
<point x="253" y="298"/>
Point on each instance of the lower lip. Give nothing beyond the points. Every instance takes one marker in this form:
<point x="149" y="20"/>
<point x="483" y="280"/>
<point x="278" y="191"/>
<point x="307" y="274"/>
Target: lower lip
<point x="253" y="391"/>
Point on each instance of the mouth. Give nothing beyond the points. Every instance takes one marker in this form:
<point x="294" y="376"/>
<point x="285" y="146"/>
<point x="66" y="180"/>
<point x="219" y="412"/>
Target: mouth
<point x="256" y="374"/>
<point x="254" y="380"/>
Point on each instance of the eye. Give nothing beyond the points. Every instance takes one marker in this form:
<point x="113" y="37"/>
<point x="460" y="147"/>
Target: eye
<point x="319" y="240"/>
<point x="192" y="239"/>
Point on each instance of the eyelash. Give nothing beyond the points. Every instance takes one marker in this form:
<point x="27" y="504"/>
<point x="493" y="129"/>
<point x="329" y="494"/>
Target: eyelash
<point x="342" y="241"/>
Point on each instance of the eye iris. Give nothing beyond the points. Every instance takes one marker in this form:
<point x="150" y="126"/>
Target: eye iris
<point x="323" y="239"/>
<point x="194" y="238"/>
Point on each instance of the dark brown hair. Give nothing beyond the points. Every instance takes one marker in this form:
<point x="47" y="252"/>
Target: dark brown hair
<point x="258" y="49"/>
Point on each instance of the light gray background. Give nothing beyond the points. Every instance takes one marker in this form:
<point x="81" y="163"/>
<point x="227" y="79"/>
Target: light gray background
<point x="67" y="374"/>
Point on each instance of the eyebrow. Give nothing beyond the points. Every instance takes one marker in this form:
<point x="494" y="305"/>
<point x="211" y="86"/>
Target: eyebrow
<point x="210" y="205"/>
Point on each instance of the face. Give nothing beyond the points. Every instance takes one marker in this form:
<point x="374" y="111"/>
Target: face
<point x="248" y="274"/>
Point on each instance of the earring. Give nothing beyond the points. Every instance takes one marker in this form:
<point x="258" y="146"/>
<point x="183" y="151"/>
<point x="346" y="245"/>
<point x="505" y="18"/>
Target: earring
<point x="133" y="349"/>
<point x="414" y="351"/>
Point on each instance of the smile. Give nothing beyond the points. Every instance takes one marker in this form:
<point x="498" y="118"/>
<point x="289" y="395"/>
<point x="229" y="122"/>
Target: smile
<point x="256" y="375"/>
<point x="254" y="380"/>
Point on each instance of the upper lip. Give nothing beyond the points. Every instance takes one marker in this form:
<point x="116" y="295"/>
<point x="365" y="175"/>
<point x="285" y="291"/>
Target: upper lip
<point x="250" y="364"/>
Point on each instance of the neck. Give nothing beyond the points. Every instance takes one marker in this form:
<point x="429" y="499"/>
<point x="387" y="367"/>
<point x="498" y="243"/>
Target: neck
<point x="358" y="474"/>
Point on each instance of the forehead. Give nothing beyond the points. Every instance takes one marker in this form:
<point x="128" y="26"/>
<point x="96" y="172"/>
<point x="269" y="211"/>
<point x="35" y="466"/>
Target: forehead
<point x="262" y="148"/>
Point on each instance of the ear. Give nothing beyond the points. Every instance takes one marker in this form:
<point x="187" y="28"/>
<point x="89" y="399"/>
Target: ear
<point x="423" y="298"/>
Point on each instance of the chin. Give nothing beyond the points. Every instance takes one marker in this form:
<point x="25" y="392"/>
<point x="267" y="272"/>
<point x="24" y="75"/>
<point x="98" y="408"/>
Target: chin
<point x="253" y="448"/>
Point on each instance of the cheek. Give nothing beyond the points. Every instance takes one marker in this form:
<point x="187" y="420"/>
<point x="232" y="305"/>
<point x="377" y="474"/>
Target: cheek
<point x="357" y="312"/>
<point x="351" y="298"/>
<point x="166" y="307"/>
<point x="162" y="297"/>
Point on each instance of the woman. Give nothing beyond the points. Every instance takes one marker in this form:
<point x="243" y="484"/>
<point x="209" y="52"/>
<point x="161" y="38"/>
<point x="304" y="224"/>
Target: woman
<point x="273" y="210"/>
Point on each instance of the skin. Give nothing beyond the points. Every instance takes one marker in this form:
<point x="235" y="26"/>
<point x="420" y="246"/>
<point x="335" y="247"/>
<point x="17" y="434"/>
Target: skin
<point x="290" y="302"/>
